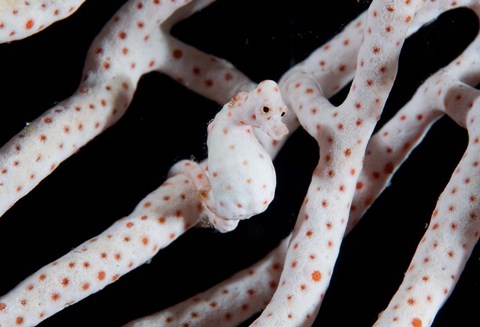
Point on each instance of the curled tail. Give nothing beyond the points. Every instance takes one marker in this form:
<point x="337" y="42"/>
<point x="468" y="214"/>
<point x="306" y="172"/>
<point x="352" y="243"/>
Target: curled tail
<point x="199" y="177"/>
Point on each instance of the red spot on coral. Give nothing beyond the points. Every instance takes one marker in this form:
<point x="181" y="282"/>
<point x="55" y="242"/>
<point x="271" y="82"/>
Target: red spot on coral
<point x="101" y="275"/>
<point x="29" y="24"/>
<point x="208" y="83"/>
<point x="177" y="54"/>
<point x="388" y="169"/>
<point x="65" y="282"/>
<point x="122" y="35"/>
<point x="316" y="276"/>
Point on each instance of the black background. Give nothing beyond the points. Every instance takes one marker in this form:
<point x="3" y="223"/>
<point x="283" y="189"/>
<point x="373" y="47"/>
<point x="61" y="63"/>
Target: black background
<point x="105" y="180"/>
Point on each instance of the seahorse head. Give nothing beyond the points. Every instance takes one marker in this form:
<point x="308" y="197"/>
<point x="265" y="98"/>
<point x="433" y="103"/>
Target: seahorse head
<point x="266" y="109"/>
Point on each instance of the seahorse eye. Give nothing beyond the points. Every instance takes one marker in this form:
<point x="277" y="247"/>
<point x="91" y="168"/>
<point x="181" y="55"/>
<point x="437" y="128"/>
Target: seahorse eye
<point x="266" y="109"/>
<point x="282" y="114"/>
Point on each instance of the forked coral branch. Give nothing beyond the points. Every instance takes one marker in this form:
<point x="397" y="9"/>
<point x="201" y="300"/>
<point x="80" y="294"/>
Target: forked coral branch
<point x="129" y="46"/>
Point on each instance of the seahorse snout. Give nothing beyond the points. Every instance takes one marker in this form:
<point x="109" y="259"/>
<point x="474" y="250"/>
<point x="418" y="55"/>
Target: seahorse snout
<point x="277" y="131"/>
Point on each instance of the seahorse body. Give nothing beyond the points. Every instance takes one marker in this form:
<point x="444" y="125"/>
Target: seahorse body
<point x="241" y="173"/>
